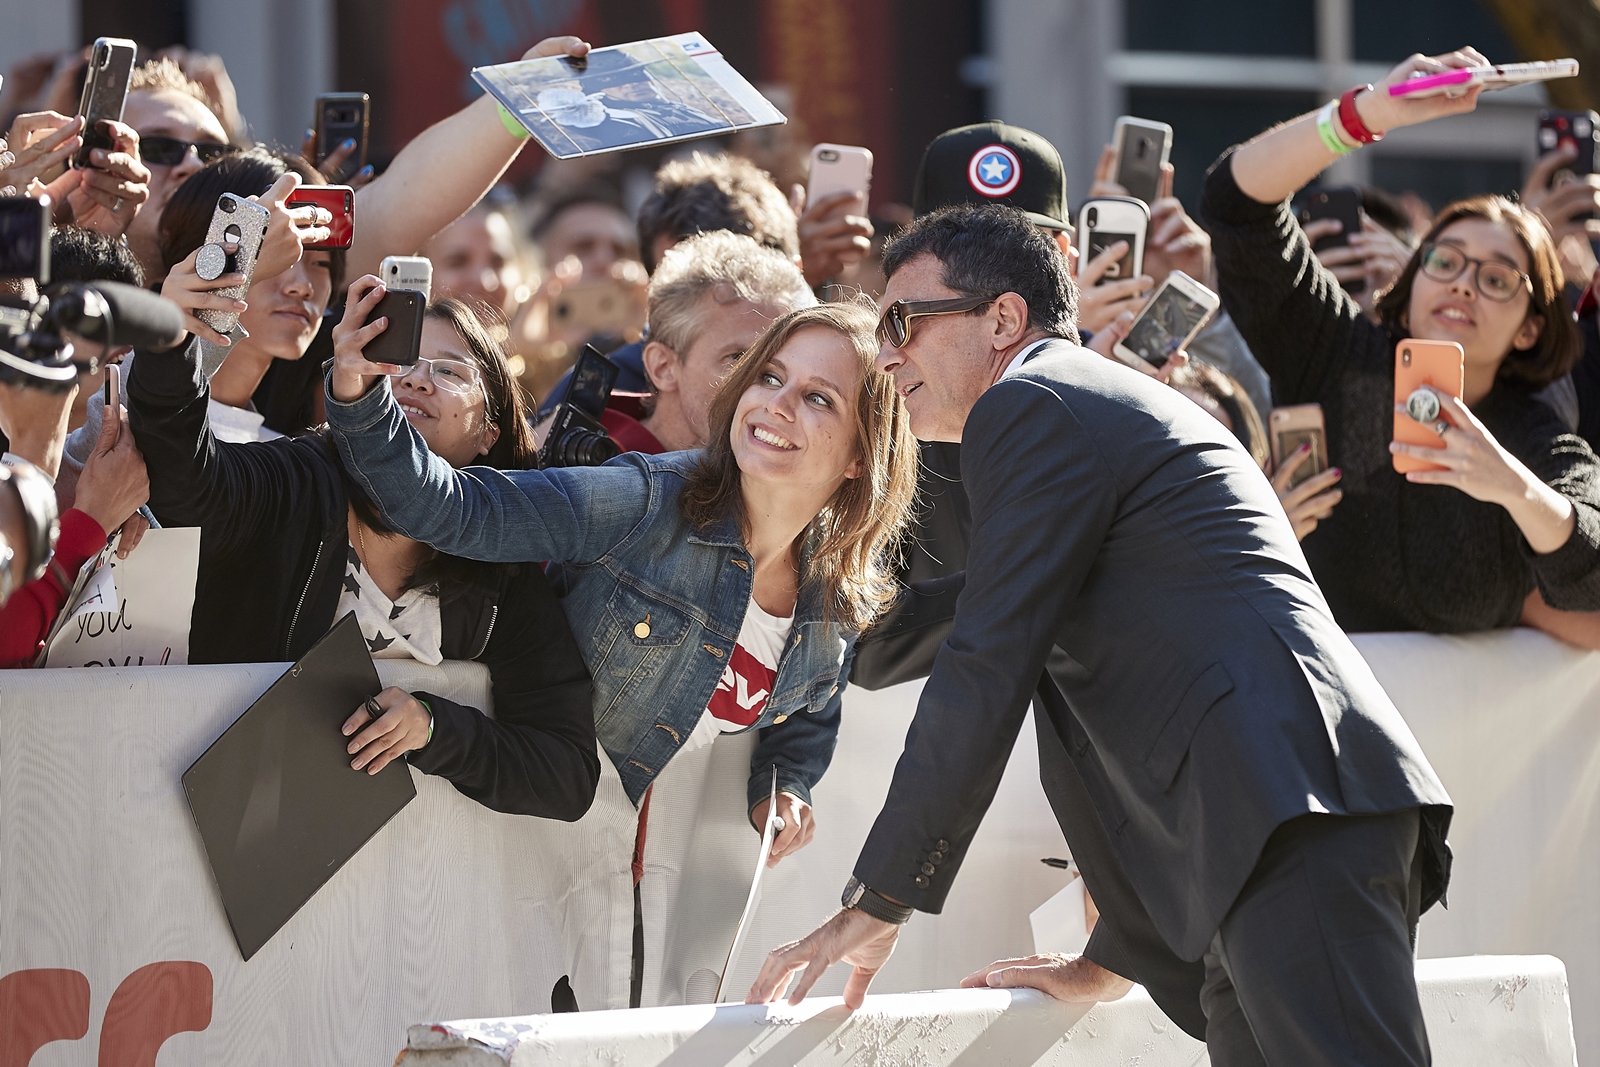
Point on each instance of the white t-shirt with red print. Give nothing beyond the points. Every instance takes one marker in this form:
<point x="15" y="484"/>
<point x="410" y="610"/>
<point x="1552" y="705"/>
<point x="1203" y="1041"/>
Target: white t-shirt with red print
<point x="748" y="678"/>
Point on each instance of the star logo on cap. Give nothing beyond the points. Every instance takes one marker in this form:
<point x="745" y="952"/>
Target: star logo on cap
<point x="994" y="170"/>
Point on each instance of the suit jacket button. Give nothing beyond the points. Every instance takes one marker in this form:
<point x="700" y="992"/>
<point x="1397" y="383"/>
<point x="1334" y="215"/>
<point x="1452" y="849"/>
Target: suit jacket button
<point x="943" y="845"/>
<point x="779" y="719"/>
<point x="935" y="857"/>
<point x="927" y="868"/>
<point x="922" y="883"/>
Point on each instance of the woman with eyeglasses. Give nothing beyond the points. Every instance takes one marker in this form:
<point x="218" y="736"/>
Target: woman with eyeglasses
<point x="290" y="544"/>
<point x="1511" y="528"/>
<point x="712" y="591"/>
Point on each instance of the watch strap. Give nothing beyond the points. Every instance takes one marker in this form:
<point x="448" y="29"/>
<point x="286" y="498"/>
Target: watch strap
<point x="858" y="896"/>
<point x="1350" y="118"/>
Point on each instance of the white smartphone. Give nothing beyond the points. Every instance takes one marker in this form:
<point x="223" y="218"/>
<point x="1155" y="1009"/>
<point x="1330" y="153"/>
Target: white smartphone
<point x="1142" y="150"/>
<point x="838" y="168"/>
<point x="1168" y="322"/>
<point x="1105" y="220"/>
<point x="407" y="272"/>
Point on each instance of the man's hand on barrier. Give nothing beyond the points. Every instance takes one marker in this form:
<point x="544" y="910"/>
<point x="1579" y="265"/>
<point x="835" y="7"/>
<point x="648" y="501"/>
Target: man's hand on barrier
<point x="799" y="826"/>
<point x="1073" y="979"/>
<point x="402" y="728"/>
<point x="851" y="936"/>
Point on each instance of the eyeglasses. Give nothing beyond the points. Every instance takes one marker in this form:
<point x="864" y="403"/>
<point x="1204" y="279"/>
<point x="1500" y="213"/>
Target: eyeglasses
<point x="451" y="374"/>
<point x="1496" y="281"/>
<point x="169" y="151"/>
<point x="895" y="325"/>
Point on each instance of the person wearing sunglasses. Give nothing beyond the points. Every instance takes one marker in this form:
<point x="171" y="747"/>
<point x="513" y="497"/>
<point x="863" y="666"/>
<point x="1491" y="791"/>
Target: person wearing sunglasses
<point x="1509" y="530"/>
<point x="178" y="134"/>
<point x="290" y="544"/>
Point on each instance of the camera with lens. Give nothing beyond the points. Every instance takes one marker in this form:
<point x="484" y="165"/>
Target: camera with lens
<point x="37" y="334"/>
<point x="576" y="437"/>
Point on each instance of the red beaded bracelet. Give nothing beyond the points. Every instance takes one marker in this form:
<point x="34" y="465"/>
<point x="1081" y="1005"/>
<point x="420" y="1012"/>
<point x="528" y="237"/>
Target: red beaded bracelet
<point x="1350" y="119"/>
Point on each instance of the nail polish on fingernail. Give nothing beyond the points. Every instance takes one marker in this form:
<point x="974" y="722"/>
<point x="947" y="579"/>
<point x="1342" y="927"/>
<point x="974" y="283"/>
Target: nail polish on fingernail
<point x="310" y="133"/>
<point x="1337" y="471"/>
<point x="349" y="142"/>
<point x="365" y="172"/>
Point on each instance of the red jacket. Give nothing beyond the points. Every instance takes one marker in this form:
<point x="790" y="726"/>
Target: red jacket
<point x="26" y="618"/>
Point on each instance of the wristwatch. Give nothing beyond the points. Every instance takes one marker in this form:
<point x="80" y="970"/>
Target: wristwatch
<point x="858" y="896"/>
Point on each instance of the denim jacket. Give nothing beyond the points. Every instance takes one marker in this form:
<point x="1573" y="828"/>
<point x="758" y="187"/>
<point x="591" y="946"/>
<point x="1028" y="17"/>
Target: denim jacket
<point x="655" y="604"/>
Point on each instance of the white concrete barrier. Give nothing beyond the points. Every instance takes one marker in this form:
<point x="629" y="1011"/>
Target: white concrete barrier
<point x="1481" y="1011"/>
<point x="455" y="912"/>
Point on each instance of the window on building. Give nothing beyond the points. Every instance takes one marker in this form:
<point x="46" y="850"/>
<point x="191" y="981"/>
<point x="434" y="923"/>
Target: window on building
<point x="1386" y="32"/>
<point x="1236" y="28"/>
<point x="1441" y="179"/>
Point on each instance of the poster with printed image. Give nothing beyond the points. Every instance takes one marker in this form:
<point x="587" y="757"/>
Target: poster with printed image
<point x="628" y="96"/>
<point x="132" y="612"/>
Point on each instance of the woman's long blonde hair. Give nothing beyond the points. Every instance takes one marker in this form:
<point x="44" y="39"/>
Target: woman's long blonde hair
<point x="851" y="538"/>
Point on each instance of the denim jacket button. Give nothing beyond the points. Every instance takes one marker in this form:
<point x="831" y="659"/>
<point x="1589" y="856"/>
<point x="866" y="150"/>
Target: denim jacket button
<point x="642" y="631"/>
<point x="779" y="719"/>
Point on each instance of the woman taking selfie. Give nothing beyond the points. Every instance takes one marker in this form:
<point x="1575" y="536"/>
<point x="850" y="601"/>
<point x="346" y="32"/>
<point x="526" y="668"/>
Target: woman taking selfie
<point x="711" y="592"/>
<point x="289" y="545"/>
<point x="1511" y="528"/>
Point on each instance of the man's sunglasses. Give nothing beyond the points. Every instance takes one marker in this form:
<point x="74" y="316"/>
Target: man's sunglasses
<point x="895" y="325"/>
<point x="169" y="151"/>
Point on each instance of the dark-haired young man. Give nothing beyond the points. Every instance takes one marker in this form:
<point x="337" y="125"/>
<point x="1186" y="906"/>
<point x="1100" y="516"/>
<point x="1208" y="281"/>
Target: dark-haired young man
<point x="1258" y="826"/>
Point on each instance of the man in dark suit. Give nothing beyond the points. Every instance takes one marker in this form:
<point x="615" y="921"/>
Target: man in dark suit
<point x="1253" y="818"/>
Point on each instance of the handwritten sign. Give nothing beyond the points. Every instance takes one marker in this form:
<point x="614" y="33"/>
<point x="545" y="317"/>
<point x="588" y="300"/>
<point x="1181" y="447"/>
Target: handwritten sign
<point x="134" y="612"/>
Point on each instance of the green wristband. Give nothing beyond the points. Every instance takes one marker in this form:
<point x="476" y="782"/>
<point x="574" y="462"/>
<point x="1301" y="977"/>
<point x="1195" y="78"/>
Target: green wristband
<point x="509" y="121"/>
<point x="1330" y="137"/>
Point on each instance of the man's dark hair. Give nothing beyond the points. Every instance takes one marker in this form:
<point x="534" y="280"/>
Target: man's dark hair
<point x="80" y="255"/>
<point x="706" y="193"/>
<point x="989" y="249"/>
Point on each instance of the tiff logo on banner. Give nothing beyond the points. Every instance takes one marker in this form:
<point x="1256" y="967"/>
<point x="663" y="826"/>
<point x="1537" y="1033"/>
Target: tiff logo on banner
<point x="42" y="1005"/>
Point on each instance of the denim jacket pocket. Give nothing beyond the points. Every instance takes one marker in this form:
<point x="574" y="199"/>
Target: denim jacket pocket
<point x="647" y="620"/>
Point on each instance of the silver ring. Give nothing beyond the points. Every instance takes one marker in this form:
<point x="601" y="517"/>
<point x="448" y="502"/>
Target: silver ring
<point x="1440" y="427"/>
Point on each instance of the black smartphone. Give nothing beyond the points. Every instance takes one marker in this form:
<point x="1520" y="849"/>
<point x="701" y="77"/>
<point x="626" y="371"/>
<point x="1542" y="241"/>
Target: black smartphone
<point x="105" y="90"/>
<point x="1342" y="202"/>
<point x="24" y="238"/>
<point x="401" y="342"/>
<point x="343" y="117"/>
<point x="1581" y="130"/>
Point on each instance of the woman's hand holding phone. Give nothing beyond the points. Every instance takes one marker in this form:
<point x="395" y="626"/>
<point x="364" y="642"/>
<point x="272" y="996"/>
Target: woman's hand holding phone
<point x="1312" y="500"/>
<point x="1475" y="463"/>
<point x="1099" y="304"/>
<point x="1382" y="112"/>
<point x="192" y="293"/>
<point x="290" y="229"/>
<point x="353" y="375"/>
<point x="1374" y="255"/>
<point x="835" y="233"/>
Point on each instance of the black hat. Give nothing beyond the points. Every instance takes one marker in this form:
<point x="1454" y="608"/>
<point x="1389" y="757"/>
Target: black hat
<point x="992" y="163"/>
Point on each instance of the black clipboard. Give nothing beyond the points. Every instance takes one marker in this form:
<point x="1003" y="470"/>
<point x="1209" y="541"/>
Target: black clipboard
<point x="276" y="802"/>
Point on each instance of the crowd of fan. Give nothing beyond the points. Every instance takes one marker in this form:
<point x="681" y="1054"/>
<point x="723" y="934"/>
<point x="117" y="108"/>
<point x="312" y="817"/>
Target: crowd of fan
<point x="678" y="286"/>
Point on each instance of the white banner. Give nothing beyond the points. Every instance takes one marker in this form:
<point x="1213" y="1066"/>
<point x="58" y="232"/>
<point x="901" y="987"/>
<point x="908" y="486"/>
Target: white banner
<point x="133" y="612"/>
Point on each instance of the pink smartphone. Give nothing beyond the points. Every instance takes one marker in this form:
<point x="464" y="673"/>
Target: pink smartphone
<point x="1457" y="82"/>
<point x="838" y="168"/>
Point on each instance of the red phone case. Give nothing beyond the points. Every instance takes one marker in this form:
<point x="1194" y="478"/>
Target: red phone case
<point x="340" y="200"/>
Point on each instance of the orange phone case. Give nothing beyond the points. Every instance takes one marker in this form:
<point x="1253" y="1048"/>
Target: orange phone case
<point x="1440" y="364"/>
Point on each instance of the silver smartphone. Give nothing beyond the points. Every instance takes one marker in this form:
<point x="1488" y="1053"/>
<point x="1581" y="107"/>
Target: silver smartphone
<point x="407" y="272"/>
<point x="1142" y="150"/>
<point x="105" y="90"/>
<point x="1168" y="322"/>
<point x="235" y="221"/>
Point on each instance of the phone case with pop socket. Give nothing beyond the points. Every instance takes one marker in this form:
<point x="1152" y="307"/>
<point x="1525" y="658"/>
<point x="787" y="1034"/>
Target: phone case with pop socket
<point x="1439" y="364"/>
<point x="235" y="221"/>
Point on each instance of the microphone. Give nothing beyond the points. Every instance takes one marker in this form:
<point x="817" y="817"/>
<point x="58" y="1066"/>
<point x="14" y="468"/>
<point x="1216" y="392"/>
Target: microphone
<point x="116" y="314"/>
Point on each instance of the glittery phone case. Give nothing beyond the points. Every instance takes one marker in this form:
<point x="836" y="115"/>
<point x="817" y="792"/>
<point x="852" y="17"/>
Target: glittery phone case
<point x="239" y="221"/>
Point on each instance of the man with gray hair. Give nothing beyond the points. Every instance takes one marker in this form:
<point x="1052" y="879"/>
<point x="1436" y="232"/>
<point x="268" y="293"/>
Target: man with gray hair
<point x="711" y="296"/>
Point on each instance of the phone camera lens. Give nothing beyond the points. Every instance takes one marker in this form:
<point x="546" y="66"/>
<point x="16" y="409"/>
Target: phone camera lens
<point x="828" y="155"/>
<point x="1093" y="218"/>
<point x="227" y="205"/>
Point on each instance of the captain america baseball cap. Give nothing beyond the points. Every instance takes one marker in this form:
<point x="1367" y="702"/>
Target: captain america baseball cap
<point x="993" y="163"/>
